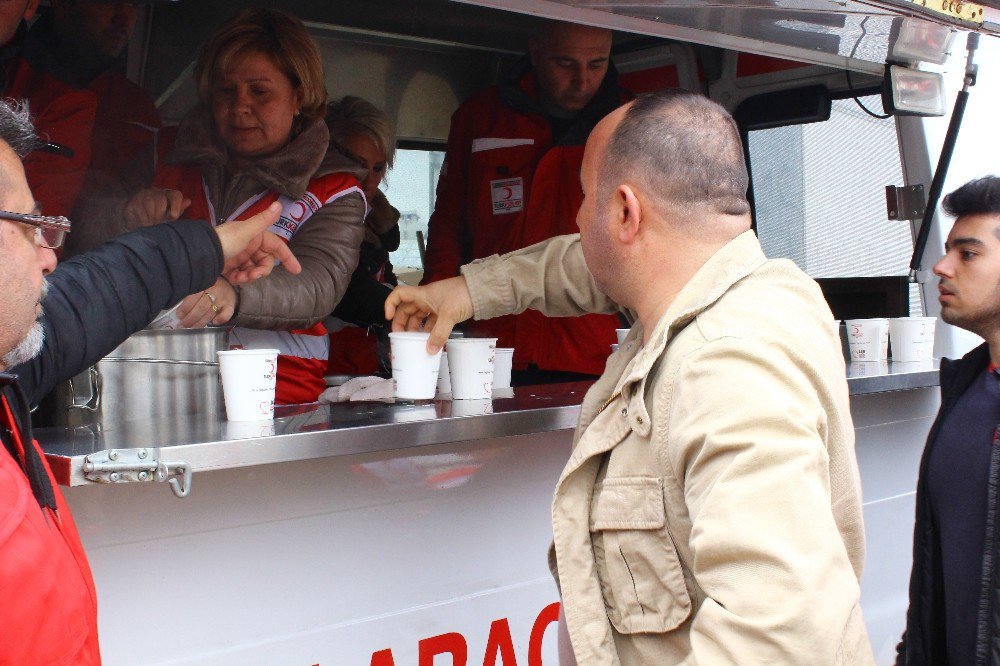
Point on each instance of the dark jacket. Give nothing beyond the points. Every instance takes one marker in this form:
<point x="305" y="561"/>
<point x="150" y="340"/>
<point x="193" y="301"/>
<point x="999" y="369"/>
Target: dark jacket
<point x="923" y="641"/>
<point x="98" y="299"/>
<point x="48" y="604"/>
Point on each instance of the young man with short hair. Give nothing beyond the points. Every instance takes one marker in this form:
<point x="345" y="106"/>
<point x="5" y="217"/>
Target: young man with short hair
<point x="953" y="617"/>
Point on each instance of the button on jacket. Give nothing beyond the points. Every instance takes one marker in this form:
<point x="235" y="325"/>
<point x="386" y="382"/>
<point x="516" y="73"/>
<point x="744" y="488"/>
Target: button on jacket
<point x="710" y="512"/>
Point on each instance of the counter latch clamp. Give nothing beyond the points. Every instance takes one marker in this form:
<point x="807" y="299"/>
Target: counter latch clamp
<point x="137" y="465"/>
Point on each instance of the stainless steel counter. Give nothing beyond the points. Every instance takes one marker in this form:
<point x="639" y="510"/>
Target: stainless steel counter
<point x="887" y="376"/>
<point x="208" y="442"/>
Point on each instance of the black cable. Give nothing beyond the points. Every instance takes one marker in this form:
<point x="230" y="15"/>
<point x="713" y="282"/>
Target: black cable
<point x="850" y="87"/>
<point x="850" y="84"/>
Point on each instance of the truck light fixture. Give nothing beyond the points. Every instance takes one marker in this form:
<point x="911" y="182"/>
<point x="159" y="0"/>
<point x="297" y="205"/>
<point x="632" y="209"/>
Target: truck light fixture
<point x="922" y="41"/>
<point x="911" y="92"/>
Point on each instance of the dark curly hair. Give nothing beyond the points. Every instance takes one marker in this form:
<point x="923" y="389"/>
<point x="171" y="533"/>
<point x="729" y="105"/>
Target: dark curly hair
<point x="977" y="197"/>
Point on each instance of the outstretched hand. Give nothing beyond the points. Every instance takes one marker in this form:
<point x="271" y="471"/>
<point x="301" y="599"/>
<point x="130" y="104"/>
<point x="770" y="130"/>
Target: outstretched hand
<point x="251" y="251"/>
<point x="437" y="306"/>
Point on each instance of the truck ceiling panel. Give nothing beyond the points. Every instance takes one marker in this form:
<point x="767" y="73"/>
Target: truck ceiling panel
<point x="849" y="34"/>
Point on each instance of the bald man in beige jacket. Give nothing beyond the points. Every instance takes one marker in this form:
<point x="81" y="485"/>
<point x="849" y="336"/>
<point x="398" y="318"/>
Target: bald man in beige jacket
<point x="710" y="512"/>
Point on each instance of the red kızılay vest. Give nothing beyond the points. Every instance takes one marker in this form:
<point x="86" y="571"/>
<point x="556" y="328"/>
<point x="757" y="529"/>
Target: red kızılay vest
<point x="48" y="604"/>
<point x="302" y="353"/>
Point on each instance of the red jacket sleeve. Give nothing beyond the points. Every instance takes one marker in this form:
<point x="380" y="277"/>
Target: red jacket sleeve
<point x="447" y="225"/>
<point x="56" y="179"/>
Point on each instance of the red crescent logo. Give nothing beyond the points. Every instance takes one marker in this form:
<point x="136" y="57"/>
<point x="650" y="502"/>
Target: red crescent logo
<point x="507" y="193"/>
<point x="298" y="211"/>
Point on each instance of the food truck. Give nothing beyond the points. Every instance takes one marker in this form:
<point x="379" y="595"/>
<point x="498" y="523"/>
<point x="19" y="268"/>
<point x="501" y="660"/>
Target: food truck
<point x="416" y="533"/>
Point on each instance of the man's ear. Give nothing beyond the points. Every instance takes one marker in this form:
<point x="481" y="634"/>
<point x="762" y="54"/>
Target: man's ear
<point x="630" y="213"/>
<point x="533" y="49"/>
<point x="30" y="9"/>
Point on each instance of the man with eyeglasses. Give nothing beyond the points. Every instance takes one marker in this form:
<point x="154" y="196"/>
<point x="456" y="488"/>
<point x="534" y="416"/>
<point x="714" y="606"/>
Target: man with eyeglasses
<point x="48" y="611"/>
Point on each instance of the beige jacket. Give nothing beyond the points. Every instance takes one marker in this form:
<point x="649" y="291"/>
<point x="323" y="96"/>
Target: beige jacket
<point x="710" y="512"/>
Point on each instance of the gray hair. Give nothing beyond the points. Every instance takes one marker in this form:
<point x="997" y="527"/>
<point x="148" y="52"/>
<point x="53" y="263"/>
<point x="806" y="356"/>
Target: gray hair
<point x="352" y="115"/>
<point x="683" y="150"/>
<point x="16" y="128"/>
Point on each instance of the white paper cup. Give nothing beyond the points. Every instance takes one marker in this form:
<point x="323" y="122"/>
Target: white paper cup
<point x="248" y="379"/>
<point x="444" y="376"/>
<point x="622" y="333"/>
<point x="414" y="371"/>
<point x="471" y="362"/>
<point x="912" y="338"/>
<point x="868" y="339"/>
<point x="502" y="368"/>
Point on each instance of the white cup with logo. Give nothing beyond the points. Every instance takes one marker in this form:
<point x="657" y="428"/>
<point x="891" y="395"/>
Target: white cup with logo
<point x="868" y="339"/>
<point x="471" y="362"/>
<point x="502" y="368"/>
<point x="248" y="380"/>
<point x="414" y="371"/>
<point x="912" y="339"/>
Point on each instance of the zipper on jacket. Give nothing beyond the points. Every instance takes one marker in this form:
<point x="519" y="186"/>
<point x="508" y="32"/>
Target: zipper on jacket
<point x="986" y="628"/>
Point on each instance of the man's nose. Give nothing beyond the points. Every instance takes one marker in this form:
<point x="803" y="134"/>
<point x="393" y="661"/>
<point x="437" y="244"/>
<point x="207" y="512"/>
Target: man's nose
<point x="46" y="260"/>
<point x="943" y="267"/>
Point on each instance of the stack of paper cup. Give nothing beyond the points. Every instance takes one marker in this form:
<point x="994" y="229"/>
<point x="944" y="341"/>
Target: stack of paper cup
<point x="414" y="371"/>
<point x="622" y="333"/>
<point x="471" y="362"/>
<point x="501" y="371"/>
<point x="912" y="338"/>
<point x="444" y="376"/>
<point x="248" y="380"/>
<point x="868" y="339"/>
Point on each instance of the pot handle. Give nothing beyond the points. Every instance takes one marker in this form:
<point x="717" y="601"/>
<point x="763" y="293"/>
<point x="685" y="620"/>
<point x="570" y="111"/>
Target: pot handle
<point x="93" y="402"/>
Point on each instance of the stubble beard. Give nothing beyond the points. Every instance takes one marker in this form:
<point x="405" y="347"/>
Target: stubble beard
<point x="983" y="323"/>
<point x="30" y="346"/>
<point x="26" y="349"/>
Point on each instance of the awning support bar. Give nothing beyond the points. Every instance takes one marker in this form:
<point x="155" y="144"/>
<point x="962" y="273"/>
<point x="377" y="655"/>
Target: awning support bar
<point x="937" y="184"/>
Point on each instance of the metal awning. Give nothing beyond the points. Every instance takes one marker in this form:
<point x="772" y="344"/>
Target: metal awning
<point x="847" y="34"/>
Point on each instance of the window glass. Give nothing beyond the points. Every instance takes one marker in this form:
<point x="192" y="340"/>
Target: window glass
<point x="819" y="195"/>
<point x="410" y="186"/>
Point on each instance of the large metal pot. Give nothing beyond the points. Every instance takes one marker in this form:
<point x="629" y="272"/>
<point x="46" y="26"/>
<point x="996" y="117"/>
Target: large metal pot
<point x="153" y="374"/>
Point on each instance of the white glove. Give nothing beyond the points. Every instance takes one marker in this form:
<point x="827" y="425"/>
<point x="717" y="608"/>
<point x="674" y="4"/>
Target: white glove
<point x="360" y="388"/>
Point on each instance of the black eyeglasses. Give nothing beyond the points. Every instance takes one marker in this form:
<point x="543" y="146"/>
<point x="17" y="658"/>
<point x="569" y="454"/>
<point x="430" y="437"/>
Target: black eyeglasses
<point x="50" y="231"/>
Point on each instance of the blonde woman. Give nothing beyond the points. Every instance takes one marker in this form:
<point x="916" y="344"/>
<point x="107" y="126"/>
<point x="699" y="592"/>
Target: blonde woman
<point x="364" y="133"/>
<point x="258" y="136"/>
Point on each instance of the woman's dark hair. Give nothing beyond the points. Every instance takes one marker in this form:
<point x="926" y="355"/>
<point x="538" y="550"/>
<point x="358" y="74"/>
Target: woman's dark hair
<point x="977" y="197"/>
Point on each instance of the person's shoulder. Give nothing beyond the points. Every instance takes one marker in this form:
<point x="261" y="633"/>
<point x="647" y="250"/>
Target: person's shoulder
<point x="777" y="304"/>
<point x="113" y="88"/>
<point x="479" y="103"/>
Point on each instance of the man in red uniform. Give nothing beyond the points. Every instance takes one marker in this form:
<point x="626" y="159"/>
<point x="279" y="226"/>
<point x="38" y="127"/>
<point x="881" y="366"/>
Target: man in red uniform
<point x="82" y="43"/>
<point x="48" y="609"/>
<point x="511" y="178"/>
<point x="63" y="115"/>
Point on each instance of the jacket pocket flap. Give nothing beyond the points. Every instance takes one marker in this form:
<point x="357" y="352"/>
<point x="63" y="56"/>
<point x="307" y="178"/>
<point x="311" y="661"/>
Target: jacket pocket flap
<point x="627" y="503"/>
